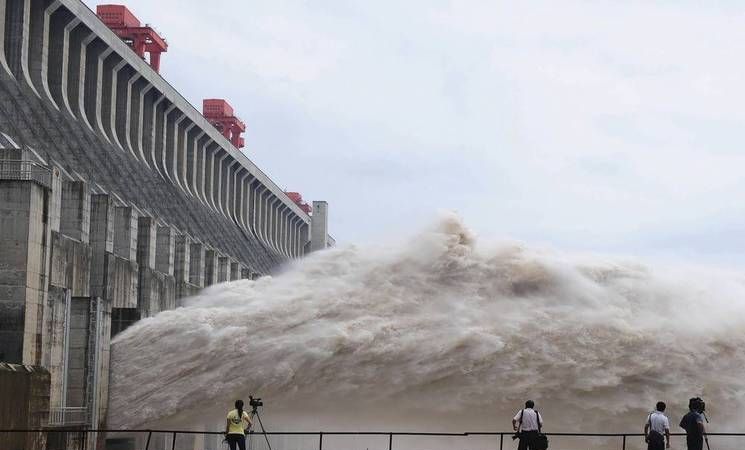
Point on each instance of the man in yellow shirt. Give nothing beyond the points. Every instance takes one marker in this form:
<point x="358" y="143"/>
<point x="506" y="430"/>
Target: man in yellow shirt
<point x="237" y="423"/>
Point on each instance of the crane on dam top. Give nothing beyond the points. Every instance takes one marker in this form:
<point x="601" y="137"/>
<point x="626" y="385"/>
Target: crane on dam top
<point x="142" y="38"/>
<point x="221" y="115"/>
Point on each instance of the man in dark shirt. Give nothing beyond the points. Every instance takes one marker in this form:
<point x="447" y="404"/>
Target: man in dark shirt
<point x="693" y="423"/>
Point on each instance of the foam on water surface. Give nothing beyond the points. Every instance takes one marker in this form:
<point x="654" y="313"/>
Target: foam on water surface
<point x="442" y="333"/>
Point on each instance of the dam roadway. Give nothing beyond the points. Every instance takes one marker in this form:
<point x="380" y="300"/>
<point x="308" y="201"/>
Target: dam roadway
<point x="117" y="199"/>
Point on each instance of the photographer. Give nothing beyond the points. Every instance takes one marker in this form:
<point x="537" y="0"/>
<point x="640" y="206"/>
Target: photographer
<point x="527" y="423"/>
<point x="657" y="429"/>
<point x="237" y="423"/>
<point x="693" y="423"/>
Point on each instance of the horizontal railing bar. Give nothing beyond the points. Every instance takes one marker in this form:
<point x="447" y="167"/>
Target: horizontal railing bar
<point x="345" y="433"/>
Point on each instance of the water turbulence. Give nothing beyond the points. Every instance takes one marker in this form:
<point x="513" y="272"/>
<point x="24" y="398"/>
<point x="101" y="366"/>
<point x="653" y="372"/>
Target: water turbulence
<point x="441" y="334"/>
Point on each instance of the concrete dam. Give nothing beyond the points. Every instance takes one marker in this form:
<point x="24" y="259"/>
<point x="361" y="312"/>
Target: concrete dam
<point x="117" y="199"/>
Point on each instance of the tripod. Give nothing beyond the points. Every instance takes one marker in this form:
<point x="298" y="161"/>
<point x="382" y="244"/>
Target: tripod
<point x="706" y="438"/>
<point x="255" y="413"/>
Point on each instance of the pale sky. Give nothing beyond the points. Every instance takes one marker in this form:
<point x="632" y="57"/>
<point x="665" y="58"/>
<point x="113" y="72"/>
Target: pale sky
<point x="604" y="126"/>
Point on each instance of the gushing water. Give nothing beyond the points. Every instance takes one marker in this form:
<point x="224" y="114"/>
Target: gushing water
<point x="442" y="334"/>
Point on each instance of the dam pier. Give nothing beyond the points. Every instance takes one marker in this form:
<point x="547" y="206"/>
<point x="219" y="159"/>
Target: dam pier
<point x="118" y="199"/>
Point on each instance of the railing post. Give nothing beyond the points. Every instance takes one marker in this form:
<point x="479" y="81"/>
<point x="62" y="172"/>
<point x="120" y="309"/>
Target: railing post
<point x="173" y="441"/>
<point x="501" y="441"/>
<point x="390" y="441"/>
<point x="147" y="444"/>
<point x="320" y="440"/>
<point x="624" y="443"/>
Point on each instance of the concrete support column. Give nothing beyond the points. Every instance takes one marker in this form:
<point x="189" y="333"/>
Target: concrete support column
<point x="319" y="228"/>
<point x="147" y="292"/>
<point x="182" y="264"/>
<point x="115" y="92"/>
<point x="3" y="61"/>
<point x="75" y="211"/>
<point x="210" y="267"/>
<point x="146" y="229"/>
<point x="165" y="250"/>
<point x="196" y="264"/>
<point x="223" y="269"/>
<point x="101" y="239"/>
<point x="24" y="238"/>
<point x="245" y="273"/>
<point x="144" y="121"/>
<point x="125" y="232"/>
<point x="235" y="270"/>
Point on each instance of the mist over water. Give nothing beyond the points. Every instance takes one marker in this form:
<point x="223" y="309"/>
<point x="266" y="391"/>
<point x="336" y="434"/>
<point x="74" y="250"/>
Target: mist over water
<point x="443" y="333"/>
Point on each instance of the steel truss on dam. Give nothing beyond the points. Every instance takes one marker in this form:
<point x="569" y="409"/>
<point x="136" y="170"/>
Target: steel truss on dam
<point x="117" y="199"/>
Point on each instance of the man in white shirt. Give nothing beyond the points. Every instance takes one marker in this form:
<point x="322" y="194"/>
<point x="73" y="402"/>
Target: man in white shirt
<point x="657" y="429"/>
<point x="527" y="423"/>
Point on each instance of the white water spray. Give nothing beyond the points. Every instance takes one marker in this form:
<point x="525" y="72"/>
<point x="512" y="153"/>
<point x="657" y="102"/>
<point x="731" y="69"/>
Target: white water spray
<point x="442" y="334"/>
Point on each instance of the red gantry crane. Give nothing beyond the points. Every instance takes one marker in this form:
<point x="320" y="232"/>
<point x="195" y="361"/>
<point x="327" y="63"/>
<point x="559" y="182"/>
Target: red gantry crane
<point x="298" y="200"/>
<point x="220" y="114"/>
<point x="142" y="38"/>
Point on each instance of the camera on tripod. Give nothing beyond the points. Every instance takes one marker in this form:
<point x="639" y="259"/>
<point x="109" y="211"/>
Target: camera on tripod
<point x="697" y="404"/>
<point x="254" y="402"/>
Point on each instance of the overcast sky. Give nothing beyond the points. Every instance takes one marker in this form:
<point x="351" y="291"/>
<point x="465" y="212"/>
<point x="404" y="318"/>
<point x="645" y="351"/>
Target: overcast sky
<point x="608" y="126"/>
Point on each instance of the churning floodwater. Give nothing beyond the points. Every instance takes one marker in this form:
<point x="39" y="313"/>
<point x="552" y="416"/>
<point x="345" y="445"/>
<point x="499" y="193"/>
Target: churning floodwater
<point x="443" y="333"/>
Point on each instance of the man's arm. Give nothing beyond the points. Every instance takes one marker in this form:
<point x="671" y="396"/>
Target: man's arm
<point x="514" y="420"/>
<point x="227" y="426"/>
<point x="646" y="432"/>
<point x="667" y="436"/>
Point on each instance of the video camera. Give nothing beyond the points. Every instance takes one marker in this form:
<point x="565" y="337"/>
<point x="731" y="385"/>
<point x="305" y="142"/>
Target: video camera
<point x="697" y="404"/>
<point x="254" y="402"/>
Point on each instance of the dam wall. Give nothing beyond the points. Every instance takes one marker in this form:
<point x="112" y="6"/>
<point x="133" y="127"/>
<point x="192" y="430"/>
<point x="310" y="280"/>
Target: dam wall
<point x="118" y="199"/>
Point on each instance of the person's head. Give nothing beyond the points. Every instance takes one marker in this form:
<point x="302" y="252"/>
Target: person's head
<point x="661" y="406"/>
<point x="694" y="404"/>
<point x="529" y="404"/>
<point x="239" y="406"/>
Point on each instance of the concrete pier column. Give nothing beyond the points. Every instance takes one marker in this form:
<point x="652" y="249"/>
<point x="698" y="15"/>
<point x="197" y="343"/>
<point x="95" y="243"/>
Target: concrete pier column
<point x="235" y="270"/>
<point x="223" y="269"/>
<point x="114" y="269"/>
<point x="146" y="228"/>
<point x="245" y="273"/>
<point x="125" y="232"/>
<point x="75" y="211"/>
<point x="196" y="264"/>
<point x="156" y="290"/>
<point x="319" y="228"/>
<point x="165" y="250"/>
<point x="181" y="259"/>
<point x="147" y="290"/>
<point x="24" y="241"/>
<point x="182" y="263"/>
<point x="101" y="239"/>
<point x="210" y="267"/>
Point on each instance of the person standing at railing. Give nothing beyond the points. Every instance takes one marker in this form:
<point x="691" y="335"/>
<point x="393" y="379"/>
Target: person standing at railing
<point x="236" y="425"/>
<point x="657" y="429"/>
<point x="693" y="423"/>
<point x="527" y="424"/>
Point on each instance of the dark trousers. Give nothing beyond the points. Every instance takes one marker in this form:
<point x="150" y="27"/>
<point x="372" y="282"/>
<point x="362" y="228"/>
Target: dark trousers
<point x="695" y="442"/>
<point x="656" y="441"/>
<point x="238" y="440"/>
<point x="527" y="440"/>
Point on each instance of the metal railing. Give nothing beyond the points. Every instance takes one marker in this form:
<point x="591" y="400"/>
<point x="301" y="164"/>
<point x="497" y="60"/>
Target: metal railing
<point x="355" y="440"/>
<point x="24" y="170"/>
<point x="68" y="416"/>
